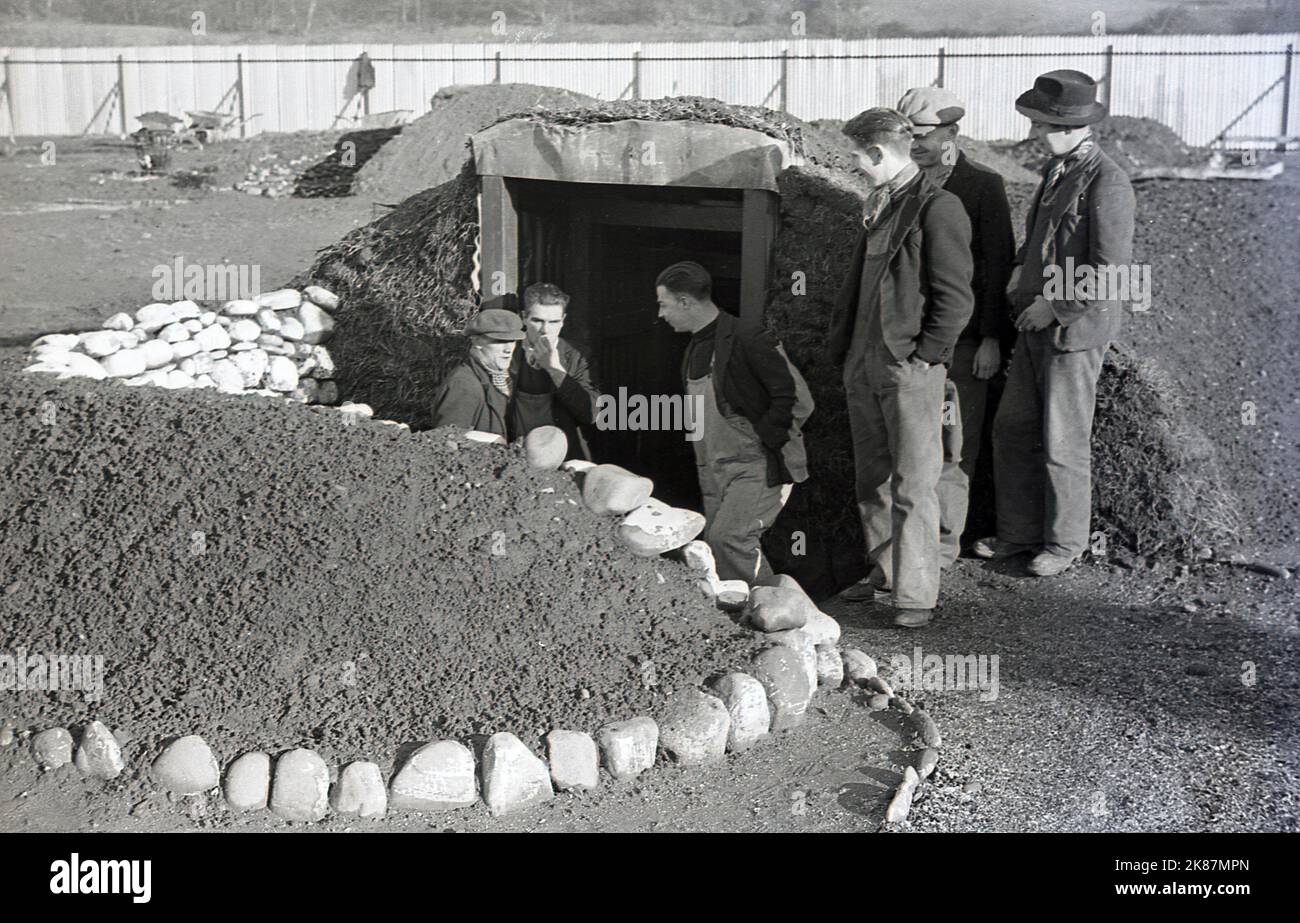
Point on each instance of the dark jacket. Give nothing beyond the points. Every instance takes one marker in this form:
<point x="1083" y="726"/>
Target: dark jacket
<point x="1089" y="217"/>
<point x="467" y="399"/>
<point x="752" y="377"/>
<point x="924" y="280"/>
<point x="571" y="406"/>
<point x="992" y="245"/>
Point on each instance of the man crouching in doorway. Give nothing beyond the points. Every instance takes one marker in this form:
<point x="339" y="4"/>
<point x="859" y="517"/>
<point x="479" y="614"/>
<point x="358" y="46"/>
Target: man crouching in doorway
<point x="750" y="450"/>
<point x="904" y="303"/>
<point x="553" y="384"/>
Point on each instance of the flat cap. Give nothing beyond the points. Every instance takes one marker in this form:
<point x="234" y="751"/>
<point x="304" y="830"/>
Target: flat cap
<point x="931" y="106"/>
<point x="496" y="323"/>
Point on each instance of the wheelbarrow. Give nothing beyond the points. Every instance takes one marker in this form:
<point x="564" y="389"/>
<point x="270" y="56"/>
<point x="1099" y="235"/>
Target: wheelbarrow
<point x="207" y="125"/>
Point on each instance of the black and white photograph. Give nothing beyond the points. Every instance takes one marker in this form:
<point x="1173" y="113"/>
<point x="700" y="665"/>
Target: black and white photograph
<point x="708" y="416"/>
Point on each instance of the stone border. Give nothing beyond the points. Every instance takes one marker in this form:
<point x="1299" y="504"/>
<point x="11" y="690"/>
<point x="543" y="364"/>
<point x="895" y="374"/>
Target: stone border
<point x="696" y="727"/>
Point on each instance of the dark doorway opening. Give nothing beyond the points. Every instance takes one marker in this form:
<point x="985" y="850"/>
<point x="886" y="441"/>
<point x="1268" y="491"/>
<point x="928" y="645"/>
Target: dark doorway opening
<point x="605" y="245"/>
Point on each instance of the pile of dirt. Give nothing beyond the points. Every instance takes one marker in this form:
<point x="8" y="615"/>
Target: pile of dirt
<point x="432" y="149"/>
<point x="336" y="174"/>
<point x="269" y="577"/>
<point x="1133" y="143"/>
<point x="996" y="155"/>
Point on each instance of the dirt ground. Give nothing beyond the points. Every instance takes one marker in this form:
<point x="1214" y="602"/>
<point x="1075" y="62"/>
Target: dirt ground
<point x="1131" y="697"/>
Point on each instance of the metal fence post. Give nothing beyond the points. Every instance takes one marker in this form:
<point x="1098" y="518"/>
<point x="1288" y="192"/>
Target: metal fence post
<point x="636" y="75"/>
<point x="497" y="73"/>
<point x="1286" y="92"/>
<point x="121" y="95"/>
<point x="785" y="79"/>
<point x="1108" y="72"/>
<point x="9" y="98"/>
<point x="239" y="88"/>
<point x="939" y="81"/>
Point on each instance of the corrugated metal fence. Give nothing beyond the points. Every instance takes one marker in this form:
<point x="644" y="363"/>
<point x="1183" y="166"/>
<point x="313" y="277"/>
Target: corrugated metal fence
<point x="1203" y="86"/>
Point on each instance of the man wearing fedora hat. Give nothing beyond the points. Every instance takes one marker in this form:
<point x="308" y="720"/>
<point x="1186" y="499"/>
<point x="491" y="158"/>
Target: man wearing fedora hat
<point x="978" y="355"/>
<point x="1082" y="216"/>
<point x="476" y="395"/>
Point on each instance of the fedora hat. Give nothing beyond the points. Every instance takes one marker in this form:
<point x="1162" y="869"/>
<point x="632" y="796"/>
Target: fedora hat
<point x="1063" y="97"/>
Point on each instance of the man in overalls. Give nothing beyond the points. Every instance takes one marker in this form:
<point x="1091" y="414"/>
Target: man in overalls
<point x="552" y="380"/>
<point x="476" y="395"/>
<point x="749" y="452"/>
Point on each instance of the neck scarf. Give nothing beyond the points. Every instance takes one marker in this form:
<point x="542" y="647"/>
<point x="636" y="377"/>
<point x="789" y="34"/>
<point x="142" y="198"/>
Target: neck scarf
<point x="880" y="197"/>
<point x="1058" y="166"/>
<point x="500" y="377"/>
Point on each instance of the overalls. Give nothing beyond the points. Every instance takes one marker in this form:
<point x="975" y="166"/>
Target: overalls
<point x="739" y="506"/>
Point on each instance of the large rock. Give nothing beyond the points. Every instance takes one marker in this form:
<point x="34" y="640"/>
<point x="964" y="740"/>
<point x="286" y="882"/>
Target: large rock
<point x="52" y="748"/>
<point x="316" y="324"/>
<point x="252" y="365"/>
<point x="184" y="349"/>
<point x="628" y="747"/>
<point x="126" y="363"/>
<point x="241" y="307"/>
<point x="901" y="803"/>
<point x="187" y="766"/>
<point x="174" y="332"/>
<point x="322" y="363"/>
<point x="654" y="528"/>
<point x="156" y="353"/>
<point x="213" y="337"/>
<point x="777" y="608"/>
<point x="291" y="328"/>
<point x="248" y="782"/>
<point x="574" y="759"/>
<point x="153" y="317"/>
<point x="100" y="343"/>
<point x="245" y="330"/>
<point x="694" y="728"/>
<point x="746" y="702"/>
<point x="513" y="777"/>
<point x="798" y="640"/>
<point x="281" y="374"/>
<point x="830" y="666"/>
<point x="98" y="754"/>
<point x="546" y="447"/>
<point x="300" y="788"/>
<point x="438" y="777"/>
<point x="321" y="296"/>
<point x="268" y="320"/>
<point x="823" y="629"/>
<point x="699" y="558"/>
<point x="227" y="376"/>
<point x="732" y="595"/>
<point x="77" y="365"/>
<point x="280" y="300"/>
<point x="360" y="790"/>
<point x="120" y="321"/>
<point x="56" y="340"/>
<point x="926" y="731"/>
<point x="611" y="490"/>
<point x="781" y="671"/>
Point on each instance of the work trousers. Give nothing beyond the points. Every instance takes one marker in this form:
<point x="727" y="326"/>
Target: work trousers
<point x="895" y="420"/>
<point x="1042" y="445"/>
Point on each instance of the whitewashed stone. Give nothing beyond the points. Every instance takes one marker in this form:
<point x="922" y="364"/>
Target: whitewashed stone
<point x="323" y="363"/>
<point x="98" y="754"/>
<point x="174" y="333"/>
<point x="100" y="343"/>
<point x="271" y="339"/>
<point x="732" y="595"/>
<point x="187" y="766"/>
<point x="212" y="337"/>
<point x="513" y="777"/>
<point x="574" y="759"/>
<point x="360" y="790"/>
<point x="291" y="328"/>
<point x="52" y="748"/>
<point x="207" y="317"/>
<point x="56" y="340"/>
<point x="438" y="777"/>
<point x="204" y="381"/>
<point x="175" y="379"/>
<point x="156" y="353"/>
<point x="544" y="446"/>
<point x="746" y="703"/>
<point x="628" y="747"/>
<point x="183" y="310"/>
<point x="268" y="320"/>
<point x="243" y="347"/>
<point x="694" y="727"/>
<point x="300" y="787"/>
<point x="360" y="409"/>
<point x="821" y="627"/>
<point x="252" y="365"/>
<point x="612" y="490"/>
<point x="119" y="321"/>
<point x="281" y="374"/>
<point x="248" y="782"/>
<point x="280" y="299"/>
<point x="240" y="307"/>
<point x="126" y="363"/>
<point x="244" y="331"/>
<point x="153" y="317"/>
<point x="321" y="296"/>
<point x="78" y="365"/>
<point x="227" y="376"/>
<point x="316" y="324"/>
<point x="655" y="527"/>
<point x="193" y="324"/>
<point x="184" y="349"/>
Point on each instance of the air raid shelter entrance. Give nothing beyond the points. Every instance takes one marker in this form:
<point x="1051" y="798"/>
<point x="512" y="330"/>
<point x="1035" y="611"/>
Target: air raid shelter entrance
<point x="600" y="209"/>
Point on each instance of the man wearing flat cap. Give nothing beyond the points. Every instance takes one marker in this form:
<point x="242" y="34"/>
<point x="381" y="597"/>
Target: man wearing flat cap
<point x="978" y="355"/>
<point x="476" y="395"/>
<point x="1082" y="216"/>
<point x="905" y="300"/>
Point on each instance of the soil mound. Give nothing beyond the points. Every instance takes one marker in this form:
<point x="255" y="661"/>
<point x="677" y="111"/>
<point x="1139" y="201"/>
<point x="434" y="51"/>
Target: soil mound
<point x="432" y="149"/>
<point x="270" y="577"/>
<point x="334" y="176"/>
<point x="1133" y="143"/>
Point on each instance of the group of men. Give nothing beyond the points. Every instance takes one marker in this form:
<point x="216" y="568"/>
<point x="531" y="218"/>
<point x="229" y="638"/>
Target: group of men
<point x="935" y="301"/>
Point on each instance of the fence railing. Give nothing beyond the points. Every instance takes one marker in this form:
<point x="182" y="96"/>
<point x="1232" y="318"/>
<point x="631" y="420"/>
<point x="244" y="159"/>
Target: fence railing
<point x="1232" y="89"/>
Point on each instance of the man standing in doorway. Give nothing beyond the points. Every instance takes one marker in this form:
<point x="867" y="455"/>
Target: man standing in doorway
<point x="1081" y="216"/>
<point x="906" y="299"/>
<point x="977" y="357"/>
<point x="750" y="450"/>
<point x="476" y="395"/>
<point x="552" y="380"/>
